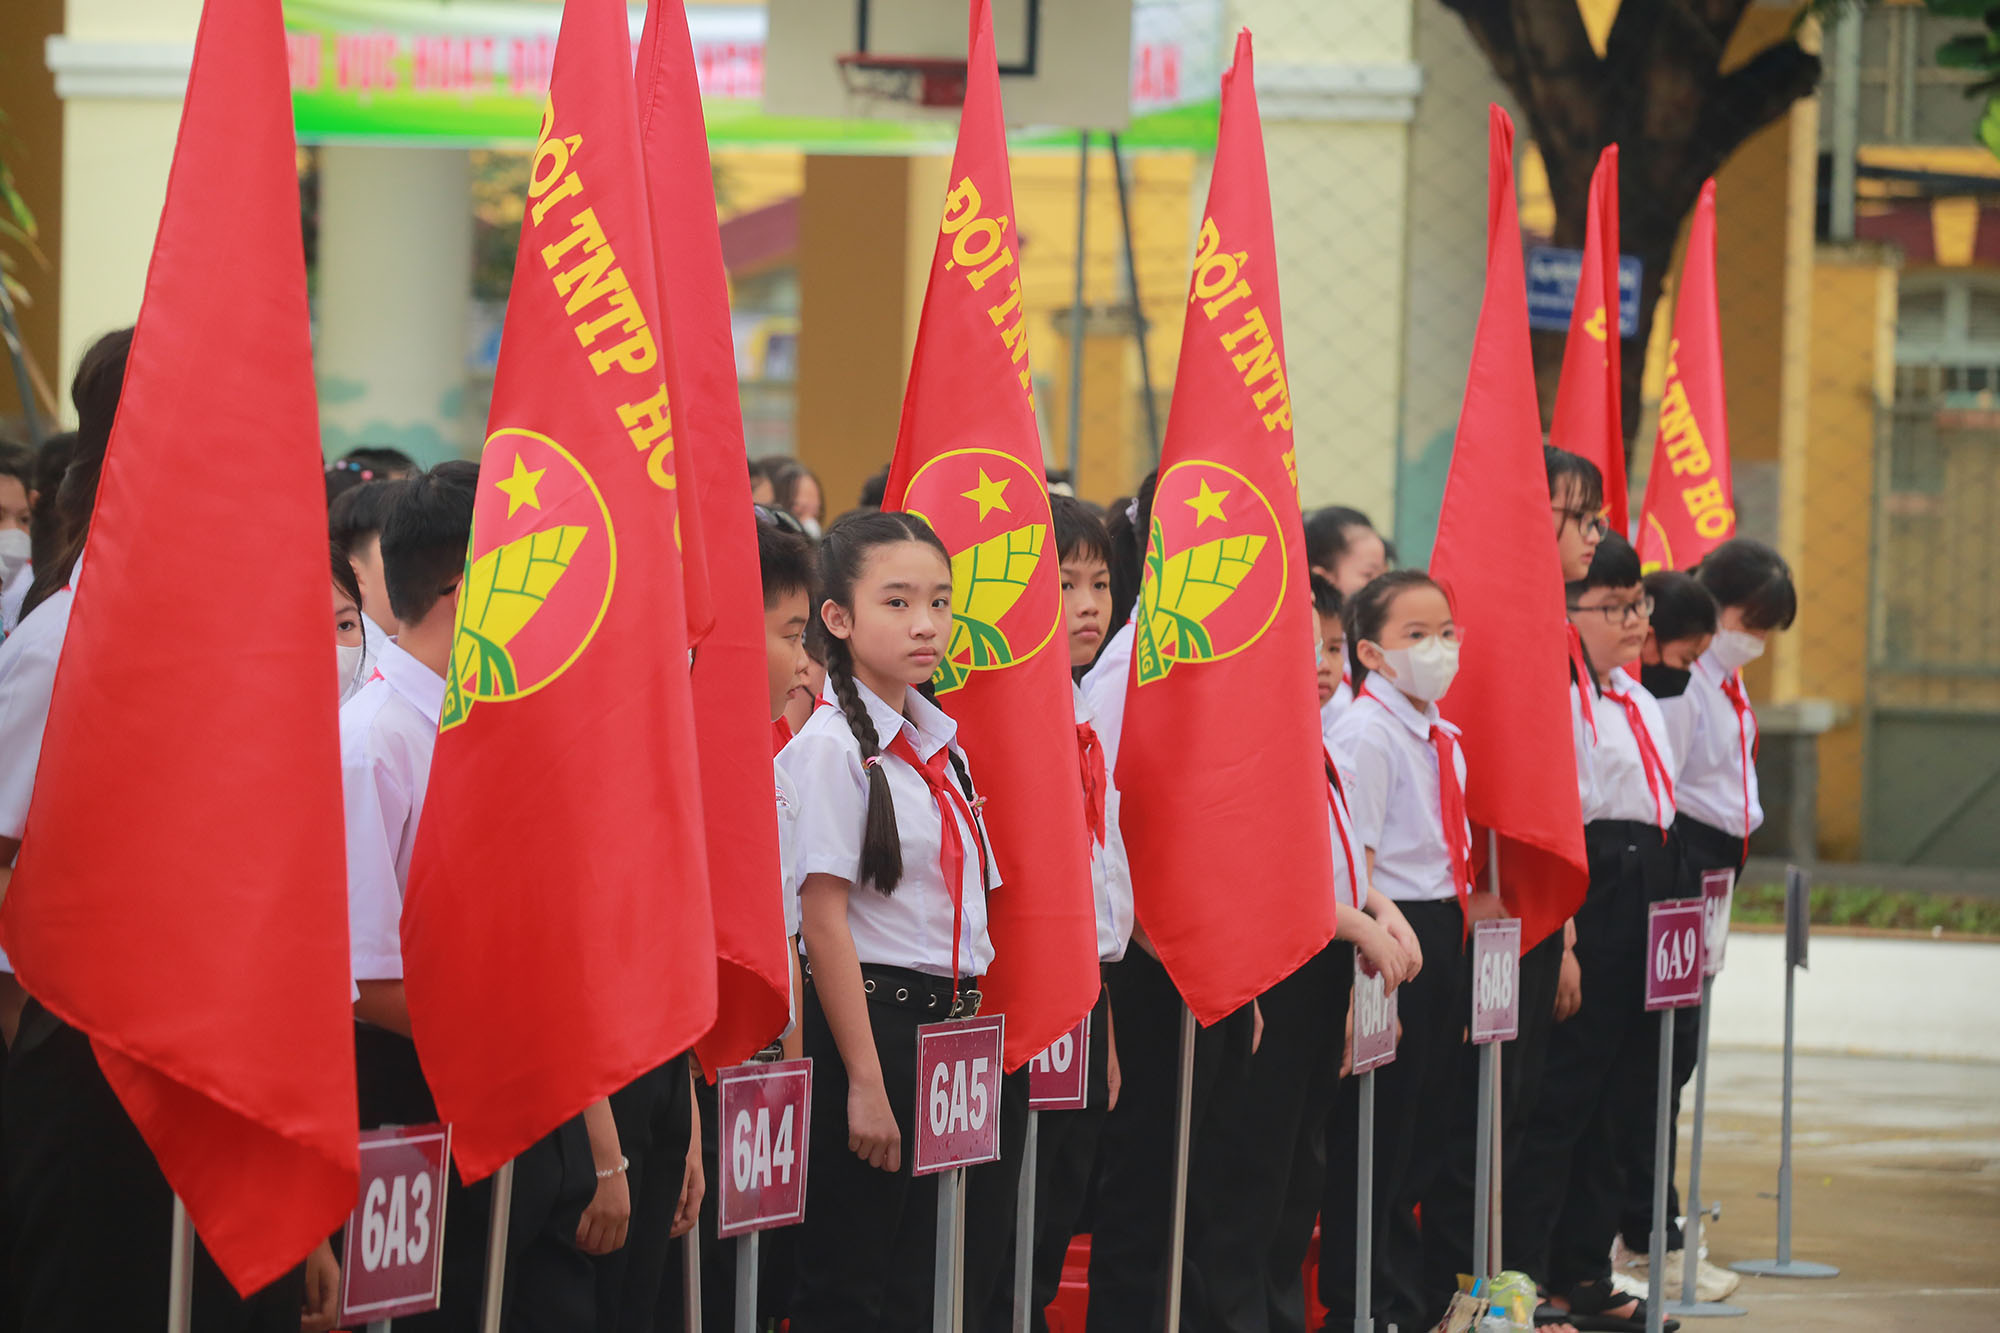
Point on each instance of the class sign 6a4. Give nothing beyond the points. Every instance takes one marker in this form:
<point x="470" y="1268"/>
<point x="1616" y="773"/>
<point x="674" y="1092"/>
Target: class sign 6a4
<point x="958" y="1094"/>
<point x="1674" y="954"/>
<point x="764" y="1112"/>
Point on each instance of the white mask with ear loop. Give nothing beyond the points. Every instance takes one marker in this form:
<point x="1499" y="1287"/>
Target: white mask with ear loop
<point x="350" y="660"/>
<point x="1735" y="649"/>
<point x="1426" y="669"/>
<point x="15" y="549"/>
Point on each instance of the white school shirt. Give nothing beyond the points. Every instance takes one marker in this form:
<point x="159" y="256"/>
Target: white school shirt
<point x="14" y="595"/>
<point x="1347" y="890"/>
<point x="911" y="927"/>
<point x="1620" y="789"/>
<point x="1104" y="687"/>
<point x="388" y="731"/>
<point x="1717" y="779"/>
<point x="1110" y="873"/>
<point x="27" y="677"/>
<point x="788" y="846"/>
<point x="1383" y="748"/>
<point x="1330" y="711"/>
<point x="1584" y="744"/>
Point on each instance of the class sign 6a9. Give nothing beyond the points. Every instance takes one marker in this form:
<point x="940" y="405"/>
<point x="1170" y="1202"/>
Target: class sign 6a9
<point x="393" y="1255"/>
<point x="1674" y="962"/>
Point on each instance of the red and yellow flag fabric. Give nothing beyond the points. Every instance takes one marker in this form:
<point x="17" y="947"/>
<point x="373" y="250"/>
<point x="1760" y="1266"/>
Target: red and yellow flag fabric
<point x="1495" y="556"/>
<point x="557" y="937"/>
<point x="1221" y="744"/>
<point x="202" y="944"/>
<point x="969" y="461"/>
<point x="753" y="980"/>
<point x="1690" y="504"/>
<point x="1589" y="416"/>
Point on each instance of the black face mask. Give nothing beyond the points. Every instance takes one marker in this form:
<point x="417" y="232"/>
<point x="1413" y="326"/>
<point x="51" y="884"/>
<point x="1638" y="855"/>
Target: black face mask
<point x="1664" y="682"/>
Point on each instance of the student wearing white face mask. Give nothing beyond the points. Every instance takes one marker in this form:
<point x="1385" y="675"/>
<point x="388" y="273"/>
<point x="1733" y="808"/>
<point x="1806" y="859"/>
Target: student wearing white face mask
<point x="350" y="648"/>
<point x="17" y="495"/>
<point x="1404" y="774"/>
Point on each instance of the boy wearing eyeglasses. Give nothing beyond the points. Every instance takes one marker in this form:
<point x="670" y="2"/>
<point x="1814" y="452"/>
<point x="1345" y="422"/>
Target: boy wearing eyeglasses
<point x="1565" y="1200"/>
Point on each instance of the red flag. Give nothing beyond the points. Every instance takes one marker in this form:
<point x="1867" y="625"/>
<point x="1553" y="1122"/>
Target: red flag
<point x="969" y="460"/>
<point x="753" y="981"/>
<point x="557" y="940"/>
<point x="1221" y="747"/>
<point x="1495" y="557"/>
<point x="204" y="947"/>
<point x="1589" y="417"/>
<point x="1690" y="502"/>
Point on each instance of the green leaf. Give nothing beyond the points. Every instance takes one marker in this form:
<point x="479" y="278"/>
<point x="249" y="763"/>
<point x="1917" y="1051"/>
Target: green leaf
<point x="1989" y="126"/>
<point x="1967" y="51"/>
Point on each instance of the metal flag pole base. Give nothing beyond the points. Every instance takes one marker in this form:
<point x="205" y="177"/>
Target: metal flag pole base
<point x="1364" y="1210"/>
<point x="1697" y="1218"/>
<point x="1024" y="1228"/>
<point x="691" y="1280"/>
<point x="180" y="1271"/>
<point x="1183" y="1131"/>
<point x="1482" y="1174"/>
<point x="1656" y="1282"/>
<point x="1784" y="1265"/>
<point x="746" y="1283"/>
<point x="948" y="1284"/>
<point x="496" y="1250"/>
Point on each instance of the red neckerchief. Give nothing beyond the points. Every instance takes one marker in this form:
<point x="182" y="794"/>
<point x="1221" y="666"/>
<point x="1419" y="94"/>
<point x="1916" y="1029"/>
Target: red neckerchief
<point x="1658" y="780"/>
<point x="1451" y="809"/>
<point x="781" y="735"/>
<point x="1580" y="671"/>
<point x="1090" y="751"/>
<point x="1732" y="690"/>
<point x="1336" y="797"/>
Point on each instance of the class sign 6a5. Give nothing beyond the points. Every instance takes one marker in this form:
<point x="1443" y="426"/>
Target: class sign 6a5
<point x="958" y="1094"/>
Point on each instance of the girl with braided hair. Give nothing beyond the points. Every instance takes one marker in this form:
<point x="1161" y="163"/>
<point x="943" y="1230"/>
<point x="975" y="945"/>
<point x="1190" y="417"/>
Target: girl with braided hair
<point x="896" y="871"/>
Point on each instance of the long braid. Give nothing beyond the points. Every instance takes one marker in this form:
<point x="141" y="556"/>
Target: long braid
<point x="881" y="840"/>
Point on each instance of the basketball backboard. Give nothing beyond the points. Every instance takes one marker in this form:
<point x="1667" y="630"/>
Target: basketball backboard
<point x="1063" y="63"/>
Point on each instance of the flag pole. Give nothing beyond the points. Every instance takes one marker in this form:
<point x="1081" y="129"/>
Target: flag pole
<point x="1024" y="1228"/>
<point x="746" y="1284"/>
<point x="180" y="1271"/>
<point x="1364" y="1210"/>
<point x="691" y="1279"/>
<point x="1183" y="1130"/>
<point x="496" y="1249"/>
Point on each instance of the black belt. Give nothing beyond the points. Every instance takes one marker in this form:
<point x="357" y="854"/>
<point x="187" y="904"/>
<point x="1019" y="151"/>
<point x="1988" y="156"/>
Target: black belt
<point x="920" y="991"/>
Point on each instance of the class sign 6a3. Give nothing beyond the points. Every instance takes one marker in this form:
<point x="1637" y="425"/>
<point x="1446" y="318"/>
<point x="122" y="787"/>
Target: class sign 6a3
<point x="394" y="1248"/>
<point x="1674" y="954"/>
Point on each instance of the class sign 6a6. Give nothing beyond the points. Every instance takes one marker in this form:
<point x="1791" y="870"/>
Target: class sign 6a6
<point x="393" y="1255"/>
<point x="958" y="1094"/>
<point x="1674" y="953"/>
<point x="765" y="1114"/>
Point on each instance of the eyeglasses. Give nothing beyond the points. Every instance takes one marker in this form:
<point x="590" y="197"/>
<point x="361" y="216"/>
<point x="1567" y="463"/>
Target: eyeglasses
<point x="1588" y="521"/>
<point x="1620" y="613"/>
<point x="779" y="519"/>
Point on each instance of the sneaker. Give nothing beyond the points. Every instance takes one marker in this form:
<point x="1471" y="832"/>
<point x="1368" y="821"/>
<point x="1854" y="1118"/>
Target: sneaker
<point x="1627" y="1285"/>
<point x="1712" y="1283"/>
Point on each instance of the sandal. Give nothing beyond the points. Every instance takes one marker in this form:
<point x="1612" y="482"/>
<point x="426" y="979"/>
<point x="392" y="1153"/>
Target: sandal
<point x="1590" y="1304"/>
<point x="1548" y="1315"/>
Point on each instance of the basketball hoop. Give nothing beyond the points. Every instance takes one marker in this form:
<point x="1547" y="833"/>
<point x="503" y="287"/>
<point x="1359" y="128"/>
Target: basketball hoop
<point x="916" y="80"/>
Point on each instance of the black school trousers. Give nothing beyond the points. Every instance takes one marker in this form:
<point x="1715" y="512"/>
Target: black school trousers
<point x="652" y="1113"/>
<point x="1065" y="1158"/>
<point x="1703" y="847"/>
<point x="1133" y="1215"/>
<point x="1412" y="1102"/>
<point x="1259" y="1172"/>
<point x="1565" y="1199"/>
<point x="868" y="1246"/>
<point x="1450" y="1205"/>
<point x="91" y="1215"/>
<point x="550" y="1286"/>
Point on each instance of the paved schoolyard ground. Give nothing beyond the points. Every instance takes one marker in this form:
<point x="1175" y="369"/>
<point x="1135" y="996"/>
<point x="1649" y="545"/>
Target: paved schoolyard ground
<point x="1897" y="1175"/>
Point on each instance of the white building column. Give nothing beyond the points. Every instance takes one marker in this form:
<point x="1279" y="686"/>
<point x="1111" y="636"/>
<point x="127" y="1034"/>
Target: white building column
<point x="395" y="281"/>
<point x="1337" y="88"/>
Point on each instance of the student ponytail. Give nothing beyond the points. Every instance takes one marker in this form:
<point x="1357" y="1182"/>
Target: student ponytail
<point x="842" y="554"/>
<point x="1367" y="612"/>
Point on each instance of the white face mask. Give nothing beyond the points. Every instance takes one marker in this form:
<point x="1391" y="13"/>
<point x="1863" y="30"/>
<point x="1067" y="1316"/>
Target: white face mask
<point x="1735" y="649"/>
<point x="14" y="550"/>
<point x="350" y="667"/>
<point x="1424" y="670"/>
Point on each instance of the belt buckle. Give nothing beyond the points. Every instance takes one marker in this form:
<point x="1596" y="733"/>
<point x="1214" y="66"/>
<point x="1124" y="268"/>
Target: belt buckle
<point x="966" y="1004"/>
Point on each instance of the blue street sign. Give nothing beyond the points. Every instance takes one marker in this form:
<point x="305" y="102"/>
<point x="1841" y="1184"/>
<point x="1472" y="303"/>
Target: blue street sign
<point x="1552" y="274"/>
